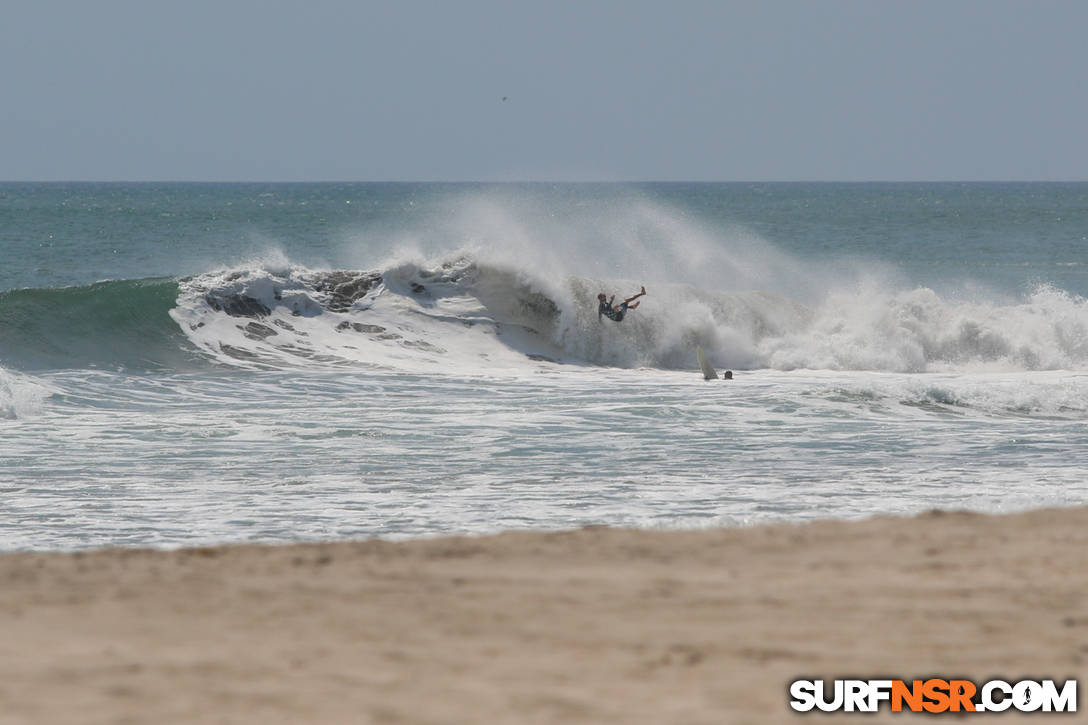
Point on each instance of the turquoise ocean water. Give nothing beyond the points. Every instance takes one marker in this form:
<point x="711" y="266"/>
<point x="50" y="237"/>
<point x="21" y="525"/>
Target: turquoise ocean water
<point x="197" y="363"/>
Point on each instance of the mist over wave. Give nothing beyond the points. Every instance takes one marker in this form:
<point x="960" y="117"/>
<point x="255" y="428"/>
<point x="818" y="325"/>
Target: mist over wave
<point x="630" y="237"/>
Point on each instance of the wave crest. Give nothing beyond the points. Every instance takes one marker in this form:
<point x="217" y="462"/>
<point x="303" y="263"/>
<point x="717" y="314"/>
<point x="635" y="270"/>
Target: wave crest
<point x="108" y="324"/>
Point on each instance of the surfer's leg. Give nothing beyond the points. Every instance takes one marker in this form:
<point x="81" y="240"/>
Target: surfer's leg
<point x="631" y="307"/>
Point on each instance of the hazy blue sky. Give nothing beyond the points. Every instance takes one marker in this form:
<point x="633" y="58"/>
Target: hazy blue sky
<point x="404" y="90"/>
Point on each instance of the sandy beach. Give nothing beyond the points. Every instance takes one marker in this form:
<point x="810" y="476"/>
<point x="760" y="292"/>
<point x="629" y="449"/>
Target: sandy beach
<point x="595" y="625"/>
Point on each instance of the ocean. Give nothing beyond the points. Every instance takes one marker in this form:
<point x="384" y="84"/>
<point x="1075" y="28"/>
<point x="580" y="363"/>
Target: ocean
<point x="187" y="364"/>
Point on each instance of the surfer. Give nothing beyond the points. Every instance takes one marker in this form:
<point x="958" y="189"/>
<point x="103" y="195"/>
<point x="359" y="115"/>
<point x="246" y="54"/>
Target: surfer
<point x="616" y="314"/>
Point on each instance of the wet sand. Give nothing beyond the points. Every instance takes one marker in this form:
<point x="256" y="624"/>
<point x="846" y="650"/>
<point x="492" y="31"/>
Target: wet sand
<point x="597" y="625"/>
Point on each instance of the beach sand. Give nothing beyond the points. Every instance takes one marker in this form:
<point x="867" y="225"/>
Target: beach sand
<point x="595" y="625"/>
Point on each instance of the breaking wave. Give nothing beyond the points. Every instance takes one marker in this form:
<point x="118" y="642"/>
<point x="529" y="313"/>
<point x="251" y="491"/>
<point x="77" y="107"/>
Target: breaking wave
<point x="463" y="311"/>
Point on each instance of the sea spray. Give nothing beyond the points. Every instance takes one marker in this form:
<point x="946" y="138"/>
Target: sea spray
<point x="627" y="235"/>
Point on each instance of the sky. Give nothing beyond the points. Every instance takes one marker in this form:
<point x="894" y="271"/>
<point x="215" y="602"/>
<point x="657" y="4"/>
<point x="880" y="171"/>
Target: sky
<point x="685" y="90"/>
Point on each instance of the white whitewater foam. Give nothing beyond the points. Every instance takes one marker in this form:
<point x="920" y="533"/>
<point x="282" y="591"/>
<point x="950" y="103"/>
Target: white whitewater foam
<point x="284" y="455"/>
<point x="414" y="319"/>
<point x="870" y="328"/>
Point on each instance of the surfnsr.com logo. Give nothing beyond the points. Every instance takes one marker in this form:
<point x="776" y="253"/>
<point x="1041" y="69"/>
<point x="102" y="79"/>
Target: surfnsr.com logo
<point x="934" y="695"/>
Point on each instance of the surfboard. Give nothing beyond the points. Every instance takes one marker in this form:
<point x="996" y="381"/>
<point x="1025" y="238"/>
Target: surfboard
<point x="704" y="364"/>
